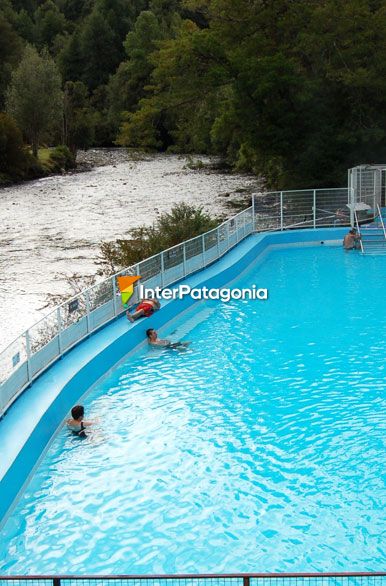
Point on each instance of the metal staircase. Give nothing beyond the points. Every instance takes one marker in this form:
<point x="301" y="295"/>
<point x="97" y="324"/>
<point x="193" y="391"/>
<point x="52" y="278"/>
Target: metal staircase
<point x="373" y="236"/>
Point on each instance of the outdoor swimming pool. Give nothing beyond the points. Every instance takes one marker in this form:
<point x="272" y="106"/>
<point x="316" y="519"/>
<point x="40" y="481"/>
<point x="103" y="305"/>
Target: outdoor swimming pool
<point x="261" y="448"/>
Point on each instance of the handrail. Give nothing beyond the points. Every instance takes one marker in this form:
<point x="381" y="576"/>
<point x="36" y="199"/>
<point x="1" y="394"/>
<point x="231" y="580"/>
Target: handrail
<point x="125" y="270"/>
<point x="230" y="576"/>
<point x="358" y="230"/>
<point x="132" y="267"/>
<point x="65" y="327"/>
<point x="381" y="218"/>
<point x="302" y="190"/>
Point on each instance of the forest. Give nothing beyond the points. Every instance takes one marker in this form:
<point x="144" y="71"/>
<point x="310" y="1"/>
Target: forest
<point x="290" y="90"/>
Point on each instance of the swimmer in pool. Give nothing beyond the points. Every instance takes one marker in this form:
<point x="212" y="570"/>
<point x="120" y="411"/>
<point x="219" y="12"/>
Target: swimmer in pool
<point x="154" y="340"/>
<point x="352" y="240"/>
<point x="77" y="424"/>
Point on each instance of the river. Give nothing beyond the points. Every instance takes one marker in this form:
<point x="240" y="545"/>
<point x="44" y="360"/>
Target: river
<point x="53" y="227"/>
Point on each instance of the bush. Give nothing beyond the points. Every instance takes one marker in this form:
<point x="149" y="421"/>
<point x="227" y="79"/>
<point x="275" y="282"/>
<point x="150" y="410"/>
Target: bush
<point x="63" y="157"/>
<point x="181" y="223"/>
<point x="16" y="162"/>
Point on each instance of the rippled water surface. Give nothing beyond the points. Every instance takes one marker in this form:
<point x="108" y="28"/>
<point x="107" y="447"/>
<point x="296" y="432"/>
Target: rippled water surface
<point x="261" y="448"/>
<point x="53" y="227"/>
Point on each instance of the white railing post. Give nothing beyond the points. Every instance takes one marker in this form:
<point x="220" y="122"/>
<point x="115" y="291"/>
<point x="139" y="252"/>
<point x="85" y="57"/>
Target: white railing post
<point x="352" y="207"/>
<point x="2" y="404"/>
<point x="281" y="211"/>
<point x="59" y="320"/>
<point x="114" y="296"/>
<point x="314" y="208"/>
<point x="359" y="232"/>
<point x="87" y="298"/>
<point x="244" y="225"/>
<point x="228" y="235"/>
<point x="136" y="273"/>
<point x="203" y="250"/>
<point x="162" y="271"/>
<point x="184" y="259"/>
<point x="28" y="352"/>
<point x="253" y="213"/>
<point x="381" y="220"/>
<point x="218" y="242"/>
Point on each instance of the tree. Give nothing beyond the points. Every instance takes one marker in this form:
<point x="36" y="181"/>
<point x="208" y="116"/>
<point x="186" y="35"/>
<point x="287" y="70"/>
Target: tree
<point x="127" y="86"/>
<point x="11" y="50"/>
<point x="24" y="25"/>
<point x="99" y="50"/>
<point x="14" y="159"/>
<point x="120" y="15"/>
<point x="190" y="72"/>
<point x="285" y="89"/>
<point x="34" y="97"/>
<point x="104" y="128"/>
<point x="74" y="10"/>
<point x="49" y="22"/>
<point x="78" y="119"/>
<point x="70" y="59"/>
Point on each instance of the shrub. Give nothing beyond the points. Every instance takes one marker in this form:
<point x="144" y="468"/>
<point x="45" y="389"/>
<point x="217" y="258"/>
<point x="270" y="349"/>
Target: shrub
<point x="63" y="157"/>
<point x="181" y="223"/>
<point x="15" y="161"/>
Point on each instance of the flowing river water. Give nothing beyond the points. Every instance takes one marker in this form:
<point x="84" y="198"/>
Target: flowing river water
<point x="52" y="227"/>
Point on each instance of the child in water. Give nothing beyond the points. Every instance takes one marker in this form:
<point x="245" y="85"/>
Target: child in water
<point x="77" y="424"/>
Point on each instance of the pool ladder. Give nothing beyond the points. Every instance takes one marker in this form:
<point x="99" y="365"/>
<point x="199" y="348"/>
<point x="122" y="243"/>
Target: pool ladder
<point x="373" y="236"/>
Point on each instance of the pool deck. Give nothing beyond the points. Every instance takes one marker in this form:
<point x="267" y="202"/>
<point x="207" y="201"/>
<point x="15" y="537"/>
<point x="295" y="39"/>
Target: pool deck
<point x="37" y="415"/>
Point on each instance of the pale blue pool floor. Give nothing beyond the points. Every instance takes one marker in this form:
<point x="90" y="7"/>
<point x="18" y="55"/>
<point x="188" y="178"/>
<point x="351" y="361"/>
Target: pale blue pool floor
<point x="259" y="449"/>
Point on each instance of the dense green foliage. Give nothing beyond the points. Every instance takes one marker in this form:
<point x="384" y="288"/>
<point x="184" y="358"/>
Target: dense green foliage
<point x="60" y="159"/>
<point x="181" y="223"/>
<point x="290" y="89"/>
<point x="15" y="162"/>
<point x="10" y="53"/>
<point x="34" y="96"/>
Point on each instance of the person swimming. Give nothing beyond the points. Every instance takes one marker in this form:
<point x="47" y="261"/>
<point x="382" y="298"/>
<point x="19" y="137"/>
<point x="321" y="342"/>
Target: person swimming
<point x="352" y="240"/>
<point x="77" y="425"/>
<point x="154" y="340"/>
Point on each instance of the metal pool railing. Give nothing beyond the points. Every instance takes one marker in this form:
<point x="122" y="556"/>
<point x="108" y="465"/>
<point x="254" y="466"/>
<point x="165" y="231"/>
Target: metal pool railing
<point x="304" y="208"/>
<point x="66" y="325"/>
<point x="315" y="579"/>
<point x="38" y="347"/>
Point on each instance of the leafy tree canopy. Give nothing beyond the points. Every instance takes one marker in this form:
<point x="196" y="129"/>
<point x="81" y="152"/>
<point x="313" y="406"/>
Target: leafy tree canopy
<point x="14" y="160"/>
<point x="11" y="49"/>
<point x="34" y="97"/>
<point x="291" y="90"/>
<point x="285" y="89"/>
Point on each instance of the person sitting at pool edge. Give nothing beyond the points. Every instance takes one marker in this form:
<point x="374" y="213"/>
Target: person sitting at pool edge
<point x="77" y="425"/>
<point x="145" y="308"/>
<point x="154" y="340"/>
<point x="351" y="240"/>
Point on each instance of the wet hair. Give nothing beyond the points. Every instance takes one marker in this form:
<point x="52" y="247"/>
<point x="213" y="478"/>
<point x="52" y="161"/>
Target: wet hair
<point x="149" y="331"/>
<point x="353" y="231"/>
<point x="77" y="411"/>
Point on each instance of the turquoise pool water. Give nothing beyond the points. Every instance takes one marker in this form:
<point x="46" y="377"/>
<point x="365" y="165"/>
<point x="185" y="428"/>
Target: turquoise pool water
<point x="261" y="448"/>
